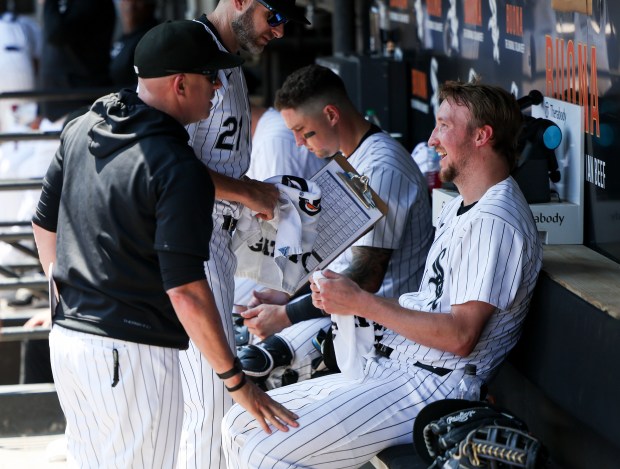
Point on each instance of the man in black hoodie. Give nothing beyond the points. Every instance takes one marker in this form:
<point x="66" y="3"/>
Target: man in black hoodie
<point x="118" y="229"/>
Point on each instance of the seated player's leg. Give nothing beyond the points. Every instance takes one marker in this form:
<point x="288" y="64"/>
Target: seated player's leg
<point x="286" y="357"/>
<point x="301" y="338"/>
<point x="342" y="423"/>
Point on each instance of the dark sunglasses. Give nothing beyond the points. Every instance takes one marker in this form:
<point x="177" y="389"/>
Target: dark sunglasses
<point x="211" y="76"/>
<point x="275" y="19"/>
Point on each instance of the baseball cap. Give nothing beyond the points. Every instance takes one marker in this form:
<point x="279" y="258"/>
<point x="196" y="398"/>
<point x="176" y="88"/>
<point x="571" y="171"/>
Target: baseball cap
<point x="181" y="46"/>
<point x="288" y="9"/>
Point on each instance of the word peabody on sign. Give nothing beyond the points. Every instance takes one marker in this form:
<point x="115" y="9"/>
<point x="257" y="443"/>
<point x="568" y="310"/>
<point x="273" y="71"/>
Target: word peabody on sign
<point x="556" y="219"/>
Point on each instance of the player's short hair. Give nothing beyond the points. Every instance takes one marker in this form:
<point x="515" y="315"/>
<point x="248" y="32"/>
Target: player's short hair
<point x="489" y="105"/>
<point x="311" y="86"/>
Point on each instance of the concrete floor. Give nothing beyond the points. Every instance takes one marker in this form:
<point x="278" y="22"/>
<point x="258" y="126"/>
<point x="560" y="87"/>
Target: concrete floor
<point x="28" y="452"/>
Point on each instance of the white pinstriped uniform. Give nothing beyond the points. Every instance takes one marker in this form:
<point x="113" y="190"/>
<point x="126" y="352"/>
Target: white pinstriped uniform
<point x="491" y="253"/>
<point x="222" y="142"/>
<point x="494" y="255"/>
<point x="136" y="419"/>
<point x="406" y="230"/>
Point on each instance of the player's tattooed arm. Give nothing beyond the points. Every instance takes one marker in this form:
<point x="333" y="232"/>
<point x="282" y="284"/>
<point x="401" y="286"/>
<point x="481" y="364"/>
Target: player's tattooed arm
<point x="368" y="266"/>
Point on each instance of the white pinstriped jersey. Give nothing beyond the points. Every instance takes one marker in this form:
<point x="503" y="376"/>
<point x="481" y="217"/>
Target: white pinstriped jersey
<point x="222" y="143"/>
<point x="491" y="253"/>
<point x="407" y="228"/>
<point x="227" y="149"/>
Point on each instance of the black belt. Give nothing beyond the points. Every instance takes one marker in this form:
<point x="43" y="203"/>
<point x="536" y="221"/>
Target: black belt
<point x="386" y="351"/>
<point x="229" y="223"/>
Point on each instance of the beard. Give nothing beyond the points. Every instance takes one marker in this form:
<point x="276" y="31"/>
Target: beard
<point x="243" y="27"/>
<point x="459" y="163"/>
<point x="448" y="175"/>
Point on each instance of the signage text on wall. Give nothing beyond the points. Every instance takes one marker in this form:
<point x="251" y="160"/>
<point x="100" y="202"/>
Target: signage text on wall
<point x="566" y="67"/>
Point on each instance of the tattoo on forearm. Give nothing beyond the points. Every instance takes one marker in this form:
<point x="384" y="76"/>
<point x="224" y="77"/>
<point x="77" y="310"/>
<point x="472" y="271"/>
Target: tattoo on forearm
<point x="368" y="266"/>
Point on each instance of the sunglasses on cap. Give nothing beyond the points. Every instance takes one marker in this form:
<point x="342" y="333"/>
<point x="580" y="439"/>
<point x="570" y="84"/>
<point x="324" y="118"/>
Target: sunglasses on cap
<point x="275" y="19"/>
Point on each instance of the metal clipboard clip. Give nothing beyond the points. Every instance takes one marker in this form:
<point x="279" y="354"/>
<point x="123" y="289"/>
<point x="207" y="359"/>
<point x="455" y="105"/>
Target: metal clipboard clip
<point x="359" y="185"/>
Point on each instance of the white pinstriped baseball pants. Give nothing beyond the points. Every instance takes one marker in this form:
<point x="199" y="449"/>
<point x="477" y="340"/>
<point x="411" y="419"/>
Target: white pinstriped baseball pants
<point x="342" y="423"/>
<point x="299" y="336"/>
<point x="133" y="424"/>
<point x="206" y="399"/>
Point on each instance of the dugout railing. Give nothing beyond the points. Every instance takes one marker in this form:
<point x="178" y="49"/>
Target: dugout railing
<point x="18" y="233"/>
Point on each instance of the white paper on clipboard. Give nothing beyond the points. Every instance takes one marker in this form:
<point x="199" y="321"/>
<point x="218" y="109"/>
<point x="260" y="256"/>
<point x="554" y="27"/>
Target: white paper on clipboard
<point x="345" y="216"/>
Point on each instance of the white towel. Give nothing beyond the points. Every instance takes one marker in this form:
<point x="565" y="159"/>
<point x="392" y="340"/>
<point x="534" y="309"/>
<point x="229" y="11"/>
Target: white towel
<point x="264" y="248"/>
<point x="354" y="341"/>
<point x="353" y="338"/>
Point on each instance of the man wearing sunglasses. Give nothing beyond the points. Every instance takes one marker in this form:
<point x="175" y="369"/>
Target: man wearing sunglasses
<point x="117" y="219"/>
<point x="223" y="144"/>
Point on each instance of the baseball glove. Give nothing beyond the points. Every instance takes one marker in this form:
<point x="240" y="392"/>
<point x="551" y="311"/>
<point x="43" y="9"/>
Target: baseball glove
<point x="495" y="447"/>
<point x="447" y="432"/>
<point x="481" y="436"/>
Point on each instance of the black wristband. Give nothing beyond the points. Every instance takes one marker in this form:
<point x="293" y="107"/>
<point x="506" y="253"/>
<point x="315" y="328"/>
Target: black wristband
<point x="236" y="387"/>
<point x="236" y="369"/>
<point x="302" y="310"/>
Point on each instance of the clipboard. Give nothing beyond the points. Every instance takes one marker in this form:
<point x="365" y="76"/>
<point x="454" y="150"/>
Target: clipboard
<point x="349" y="209"/>
<point x="359" y="185"/>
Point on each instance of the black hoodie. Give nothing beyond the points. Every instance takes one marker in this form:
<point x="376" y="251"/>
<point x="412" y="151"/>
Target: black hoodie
<point x="123" y="187"/>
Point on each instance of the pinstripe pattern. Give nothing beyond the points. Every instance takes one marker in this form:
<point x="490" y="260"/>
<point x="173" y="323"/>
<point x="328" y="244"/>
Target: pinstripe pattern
<point x="274" y="153"/>
<point x="491" y="253"/>
<point x="135" y="423"/>
<point x="206" y="399"/>
<point x="222" y="143"/>
<point x="342" y="423"/>
<point x="299" y="337"/>
<point x="406" y="229"/>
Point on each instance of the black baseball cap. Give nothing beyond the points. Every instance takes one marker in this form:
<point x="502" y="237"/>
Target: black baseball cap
<point x="182" y="46"/>
<point x="288" y="9"/>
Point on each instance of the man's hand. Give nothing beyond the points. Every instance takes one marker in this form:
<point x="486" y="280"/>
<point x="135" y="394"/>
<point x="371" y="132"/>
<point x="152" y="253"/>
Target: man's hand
<point x="337" y="294"/>
<point x="265" y="320"/>
<point x="262" y="407"/>
<point x="268" y="296"/>
<point x="41" y="319"/>
<point x="262" y="198"/>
